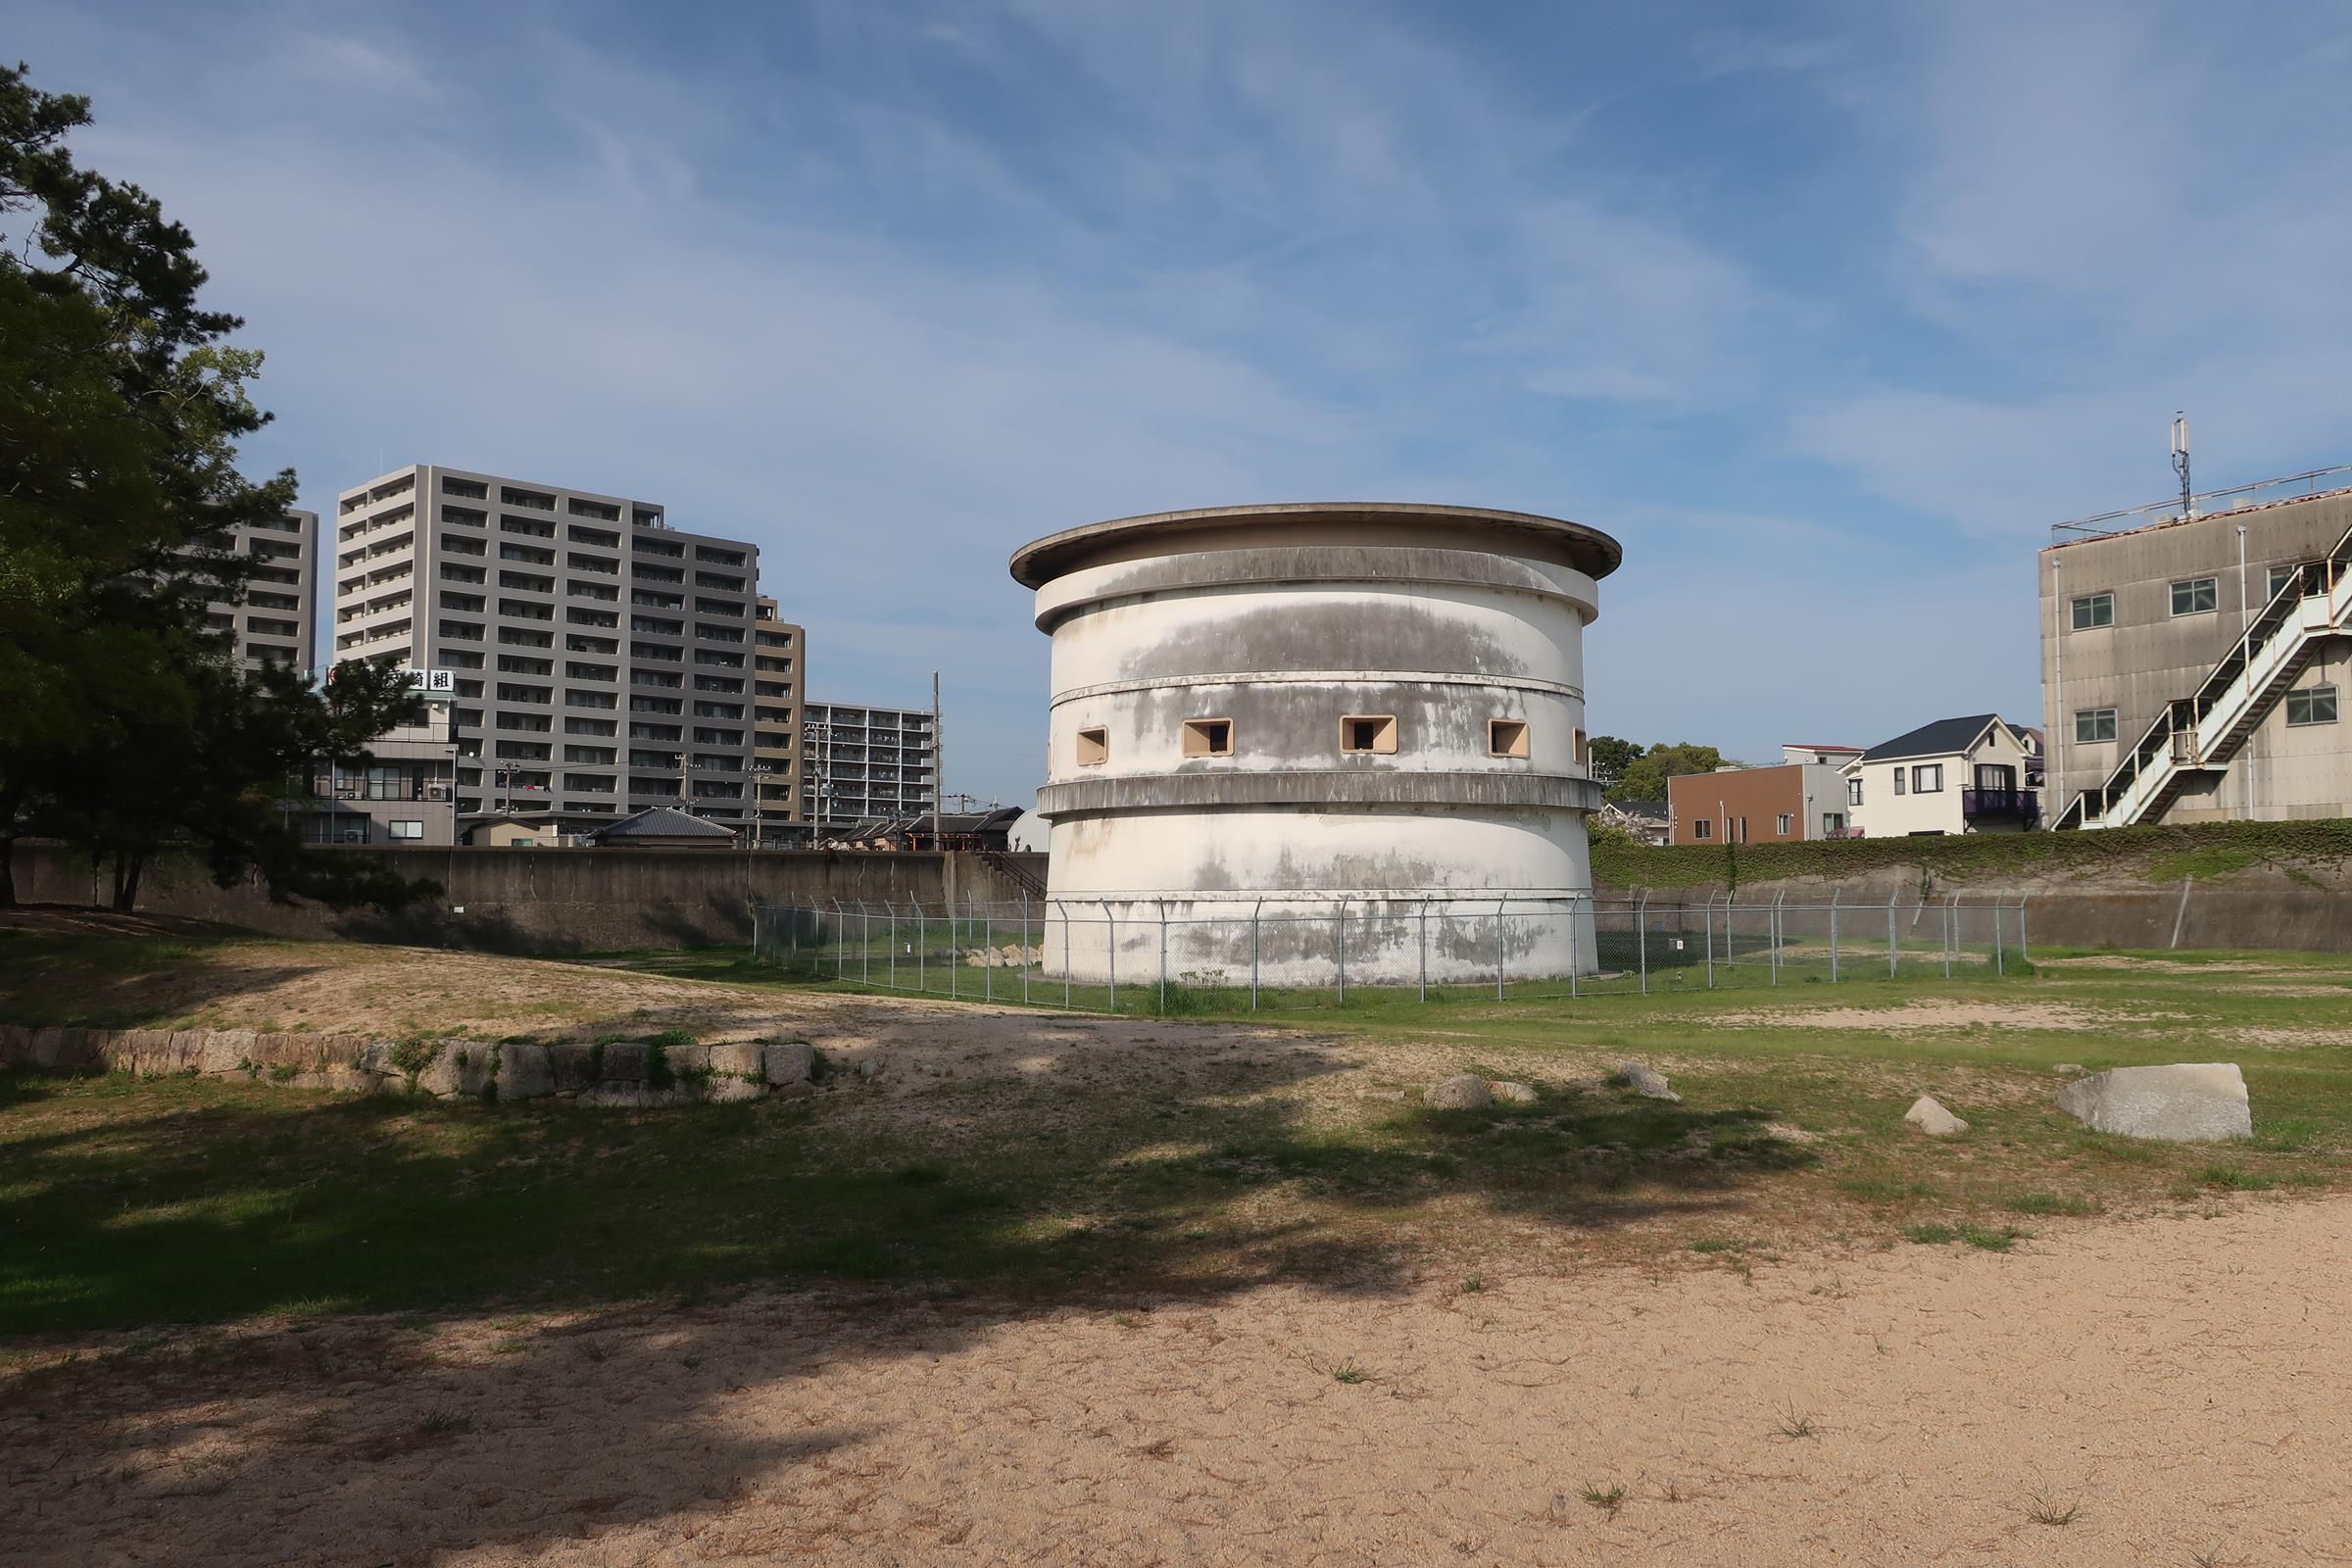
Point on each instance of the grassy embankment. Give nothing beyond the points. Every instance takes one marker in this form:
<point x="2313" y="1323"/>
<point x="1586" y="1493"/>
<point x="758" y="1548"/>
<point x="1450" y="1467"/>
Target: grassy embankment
<point x="1090" y="1161"/>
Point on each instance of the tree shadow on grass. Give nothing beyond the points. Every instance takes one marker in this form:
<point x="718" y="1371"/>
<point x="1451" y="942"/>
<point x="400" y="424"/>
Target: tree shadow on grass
<point x="175" y="1201"/>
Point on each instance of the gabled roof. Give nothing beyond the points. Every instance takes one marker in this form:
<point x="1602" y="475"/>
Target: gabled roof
<point x="663" y="822"/>
<point x="1651" y="808"/>
<point x="1943" y="738"/>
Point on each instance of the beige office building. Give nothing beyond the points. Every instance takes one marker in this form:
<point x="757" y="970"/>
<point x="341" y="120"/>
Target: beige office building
<point x="278" y="621"/>
<point x="2192" y="665"/>
<point x="779" y="654"/>
<point x="601" y="660"/>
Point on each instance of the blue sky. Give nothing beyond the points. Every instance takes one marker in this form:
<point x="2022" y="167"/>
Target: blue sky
<point x="1826" y="311"/>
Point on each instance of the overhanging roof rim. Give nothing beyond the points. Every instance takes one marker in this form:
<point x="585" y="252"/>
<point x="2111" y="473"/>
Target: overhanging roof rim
<point x="1038" y="562"/>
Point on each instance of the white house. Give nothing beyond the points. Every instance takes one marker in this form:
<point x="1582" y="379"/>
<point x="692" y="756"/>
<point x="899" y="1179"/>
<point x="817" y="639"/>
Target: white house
<point x="1956" y="775"/>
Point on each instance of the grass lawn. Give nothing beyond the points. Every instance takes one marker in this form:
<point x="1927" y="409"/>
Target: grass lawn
<point x="1102" y="1160"/>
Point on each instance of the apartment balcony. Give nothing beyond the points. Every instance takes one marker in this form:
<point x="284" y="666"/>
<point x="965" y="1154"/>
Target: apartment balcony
<point x="2000" y="804"/>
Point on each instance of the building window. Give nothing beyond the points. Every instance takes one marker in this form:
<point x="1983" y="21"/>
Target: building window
<point x="1853" y="789"/>
<point x="2093" y="611"/>
<point x="1927" y="778"/>
<point x="2195" y="596"/>
<point x="1094" y="747"/>
<point x="2280" y="577"/>
<point x="1577" y="749"/>
<point x="1702" y="829"/>
<point x="2093" y="724"/>
<point x="1785" y="824"/>
<point x="1375" y="733"/>
<point x="1208" y="737"/>
<point x="1506" y="737"/>
<point x="2314" y="704"/>
<point x="405" y="830"/>
<point x="1898" y="781"/>
<point x="1833" y="824"/>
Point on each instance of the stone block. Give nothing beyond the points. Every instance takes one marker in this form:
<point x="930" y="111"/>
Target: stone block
<point x="1927" y="1113"/>
<point x="16" y="1043"/>
<point x="636" y="1097"/>
<point x="1646" y="1081"/>
<point x="789" y="1062"/>
<point x="572" y="1065"/>
<point x="524" y="1072"/>
<point x="224" y="1051"/>
<point x="146" y="1051"/>
<point x="458" y="1067"/>
<point x="724" y="1088"/>
<point x="687" y="1060"/>
<point x="740" y="1059"/>
<point x="624" y="1062"/>
<point x="2186" y="1102"/>
<point x="1462" y="1091"/>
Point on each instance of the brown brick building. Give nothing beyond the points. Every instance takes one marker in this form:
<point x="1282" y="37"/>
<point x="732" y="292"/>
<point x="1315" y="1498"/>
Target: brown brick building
<point x="1804" y="797"/>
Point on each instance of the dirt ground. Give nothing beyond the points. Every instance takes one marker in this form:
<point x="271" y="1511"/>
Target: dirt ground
<point x="2158" y="1393"/>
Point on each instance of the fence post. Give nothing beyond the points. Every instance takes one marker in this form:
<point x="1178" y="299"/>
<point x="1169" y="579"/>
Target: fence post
<point x="841" y="934"/>
<point x="1256" y="910"/>
<point x="1163" y="955"/>
<point x="1572" y="948"/>
<point x="1642" y="938"/>
<point x="1024" y="946"/>
<point x="2001" y="962"/>
<point x="1773" y="935"/>
<point x="891" y="970"/>
<point x="1891" y="975"/>
<point x="795" y="927"/>
<point x="865" y="943"/>
<point x="922" y="946"/>
<point x="1069" y="959"/>
<point x="2023" y="954"/>
<point x="988" y="952"/>
<point x="1952" y="929"/>
<point x="1708" y="916"/>
<point x="1343" y="953"/>
<point x="1424" y="949"/>
<point x="1833" y="894"/>
<point x="1499" y="904"/>
<point x="1111" y="952"/>
<point x="954" y="947"/>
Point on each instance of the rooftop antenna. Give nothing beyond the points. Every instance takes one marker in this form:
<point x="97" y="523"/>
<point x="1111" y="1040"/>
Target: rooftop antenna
<point x="2181" y="461"/>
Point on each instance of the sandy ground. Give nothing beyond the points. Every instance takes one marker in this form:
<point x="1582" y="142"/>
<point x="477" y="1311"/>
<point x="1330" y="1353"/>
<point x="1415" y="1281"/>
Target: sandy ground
<point x="1916" y="1018"/>
<point x="2169" y="1389"/>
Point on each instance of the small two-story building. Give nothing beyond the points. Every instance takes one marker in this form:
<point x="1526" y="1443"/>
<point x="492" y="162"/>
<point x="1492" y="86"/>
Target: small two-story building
<point x="1973" y="774"/>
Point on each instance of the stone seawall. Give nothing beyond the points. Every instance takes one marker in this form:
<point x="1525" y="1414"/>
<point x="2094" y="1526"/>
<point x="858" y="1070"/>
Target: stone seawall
<point x="632" y="1072"/>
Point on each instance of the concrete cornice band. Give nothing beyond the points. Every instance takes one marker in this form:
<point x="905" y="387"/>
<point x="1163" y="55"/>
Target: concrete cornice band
<point x="1343" y="788"/>
<point x="1516" y="533"/>
<point x="1399" y="679"/>
<point x="1085" y="587"/>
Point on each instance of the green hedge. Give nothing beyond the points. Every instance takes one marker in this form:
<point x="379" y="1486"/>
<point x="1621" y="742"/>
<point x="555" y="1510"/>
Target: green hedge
<point x="2142" y="854"/>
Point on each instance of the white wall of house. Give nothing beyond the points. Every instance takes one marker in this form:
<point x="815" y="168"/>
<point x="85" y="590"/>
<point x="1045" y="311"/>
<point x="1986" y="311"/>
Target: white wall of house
<point x="1885" y="814"/>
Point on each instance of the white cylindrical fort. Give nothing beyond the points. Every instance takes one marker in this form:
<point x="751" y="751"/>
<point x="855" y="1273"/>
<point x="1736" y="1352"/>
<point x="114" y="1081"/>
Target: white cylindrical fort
<point x="1278" y="728"/>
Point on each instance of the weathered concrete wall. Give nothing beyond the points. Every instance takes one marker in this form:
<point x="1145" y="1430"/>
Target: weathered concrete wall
<point x="630" y="1073"/>
<point x="551" y="901"/>
<point x="2243" y="913"/>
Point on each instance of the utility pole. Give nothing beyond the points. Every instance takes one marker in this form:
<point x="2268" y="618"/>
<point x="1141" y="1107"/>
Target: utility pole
<point x="2180" y="462"/>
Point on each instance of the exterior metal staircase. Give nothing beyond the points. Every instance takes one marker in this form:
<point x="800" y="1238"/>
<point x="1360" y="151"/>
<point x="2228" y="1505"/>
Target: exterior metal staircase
<point x="2195" y="737"/>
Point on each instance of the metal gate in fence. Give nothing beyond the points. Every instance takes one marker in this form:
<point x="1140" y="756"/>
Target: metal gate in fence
<point x="1164" y="957"/>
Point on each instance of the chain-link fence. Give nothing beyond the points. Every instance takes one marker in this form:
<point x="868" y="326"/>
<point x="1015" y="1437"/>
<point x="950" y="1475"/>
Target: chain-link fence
<point x="1195" y="956"/>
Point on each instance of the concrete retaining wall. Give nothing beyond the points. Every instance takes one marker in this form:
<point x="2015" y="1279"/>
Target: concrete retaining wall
<point x="546" y="900"/>
<point x="2245" y="912"/>
<point x="617" y="1073"/>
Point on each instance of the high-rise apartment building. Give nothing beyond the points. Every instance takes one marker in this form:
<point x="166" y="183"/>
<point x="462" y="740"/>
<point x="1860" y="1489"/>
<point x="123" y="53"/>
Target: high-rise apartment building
<point x="861" y="761"/>
<point x="278" y="621"/>
<point x="779" y="654"/>
<point x="601" y="658"/>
